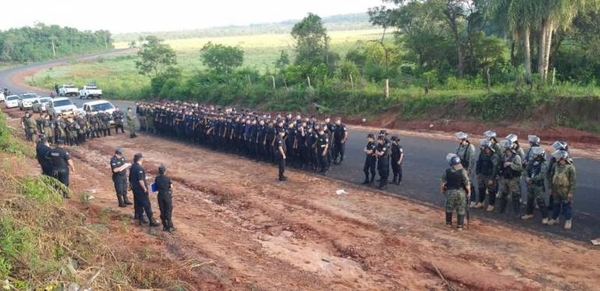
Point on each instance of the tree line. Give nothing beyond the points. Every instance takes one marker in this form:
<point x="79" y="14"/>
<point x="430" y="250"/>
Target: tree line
<point x="43" y="42"/>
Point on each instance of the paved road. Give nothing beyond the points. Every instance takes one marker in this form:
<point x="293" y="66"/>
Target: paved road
<point x="424" y="162"/>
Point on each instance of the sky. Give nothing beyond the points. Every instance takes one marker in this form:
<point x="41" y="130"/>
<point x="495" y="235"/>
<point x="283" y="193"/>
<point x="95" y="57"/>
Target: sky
<point x="155" y="15"/>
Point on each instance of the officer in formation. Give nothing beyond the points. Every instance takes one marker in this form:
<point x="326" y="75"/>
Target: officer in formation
<point x="62" y="164"/>
<point x="119" y="119"/>
<point x="309" y="144"/>
<point x="466" y="152"/>
<point x="141" y="193"/>
<point x="502" y="166"/>
<point x="164" y="186"/>
<point x="119" y="166"/>
<point x="131" y="117"/>
<point x="397" y="155"/>
<point x="456" y="188"/>
<point x="382" y="152"/>
<point x="370" y="160"/>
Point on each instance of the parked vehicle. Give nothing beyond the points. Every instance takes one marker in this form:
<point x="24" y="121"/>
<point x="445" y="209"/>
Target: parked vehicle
<point x="61" y="105"/>
<point x="68" y="90"/>
<point x="2" y="97"/>
<point x="12" y="101"/>
<point x="98" y="106"/>
<point x="26" y="100"/>
<point x="90" y="92"/>
<point x="41" y="104"/>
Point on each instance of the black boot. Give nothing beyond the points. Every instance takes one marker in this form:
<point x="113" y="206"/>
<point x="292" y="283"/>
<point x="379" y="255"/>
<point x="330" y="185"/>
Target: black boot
<point x="460" y="222"/>
<point x="367" y="180"/>
<point x="126" y="200"/>
<point x="516" y="205"/>
<point x="154" y="223"/>
<point x="120" y="199"/>
<point x="164" y="224"/>
<point x="503" y="203"/>
<point x="395" y="180"/>
<point x="449" y="219"/>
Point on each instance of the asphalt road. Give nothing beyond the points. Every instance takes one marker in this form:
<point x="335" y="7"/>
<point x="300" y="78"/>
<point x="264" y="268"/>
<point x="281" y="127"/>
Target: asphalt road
<point x="424" y="163"/>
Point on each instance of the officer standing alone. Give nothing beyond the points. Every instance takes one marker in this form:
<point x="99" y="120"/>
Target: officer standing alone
<point x="139" y="186"/>
<point x="281" y="150"/>
<point x="119" y="166"/>
<point x="131" y="122"/>
<point x="164" y="186"/>
<point x="61" y="163"/>
<point x="456" y="187"/>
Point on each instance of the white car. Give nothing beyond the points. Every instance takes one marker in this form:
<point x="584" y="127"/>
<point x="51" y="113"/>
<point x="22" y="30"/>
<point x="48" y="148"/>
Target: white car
<point x="41" y="104"/>
<point x="12" y="101"/>
<point x="68" y="90"/>
<point x="98" y="106"/>
<point x="26" y="100"/>
<point x="61" y="105"/>
<point x="2" y="97"/>
<point x="90" y="92"/>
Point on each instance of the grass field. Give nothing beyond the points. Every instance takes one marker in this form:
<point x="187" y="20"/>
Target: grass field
<point x="118" y="74"/>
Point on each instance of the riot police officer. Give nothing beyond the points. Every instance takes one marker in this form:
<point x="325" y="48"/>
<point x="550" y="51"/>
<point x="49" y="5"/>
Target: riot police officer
<point x="118" y="118"/>
<point x="455" y="186"/>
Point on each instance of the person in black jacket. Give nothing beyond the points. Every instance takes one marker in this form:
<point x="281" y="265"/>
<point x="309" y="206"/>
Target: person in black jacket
<point x="139" y="186"/>
<point x="165" y="202"/>
<point x="41" y="151"/>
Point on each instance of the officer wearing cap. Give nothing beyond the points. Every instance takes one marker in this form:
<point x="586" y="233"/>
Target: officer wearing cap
<point x="455" y="186"/>
<point x="119" y="167"/>
<point x="164" y="186"/>
<point x="383" y="161"/>
<point x="280" y="149"/>
<point x="139" y="186"/>
<point x="370" y="160"/>
<point x="486" y="170"/>
<point x="323" y="150"/>
<point x="397" y="157"/>
<point x="340" y="135"/>
<point x="61" y="163"/>
<point x="41" y="151"/>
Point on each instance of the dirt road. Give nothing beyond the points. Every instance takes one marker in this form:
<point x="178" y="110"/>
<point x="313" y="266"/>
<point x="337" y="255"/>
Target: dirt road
<point x="258" y="233"/>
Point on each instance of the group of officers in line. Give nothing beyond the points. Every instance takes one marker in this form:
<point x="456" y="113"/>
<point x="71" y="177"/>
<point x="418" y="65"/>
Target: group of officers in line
<point x="74" y="128"/>
<point x="499" y="169"/>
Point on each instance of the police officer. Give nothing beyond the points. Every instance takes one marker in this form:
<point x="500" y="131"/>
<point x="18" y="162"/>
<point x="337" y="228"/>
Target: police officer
<point x="119" y="168"/>
<point x="558" y="145"/>
<point x="455" y="186"/>
<point x="340" y="135"/>
<point x="41" y="151"/>
<point x="535" y="175"/>
<point x="281" y="150"/>
<point x="323" y="150"/>
<point x="61" y="163"/>
<point x="383" y="161"/>
<point x="466" y="152"/>
<point x="397" y="157"/>
<point x="118" y="118"/>
<point x="510" y="174"/>
<point x="486" y="171"/>
<point x="139" y="186"/>
<point x="28" y="125"/>
<point x="131" y="122"/>
<point x="164" y="186"/>
<point x="562" y="187"/>
<point x="370" y="160"/>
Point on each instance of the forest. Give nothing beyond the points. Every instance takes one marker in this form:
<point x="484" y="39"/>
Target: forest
<point x="42" y="42"/>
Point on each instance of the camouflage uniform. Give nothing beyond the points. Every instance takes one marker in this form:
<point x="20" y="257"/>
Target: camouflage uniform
<point x="486" y="171"/>
<point x="466" y="153"/>
<point x="455" y="181"/>
<point x="509" y="182"/>
<point x="131" y="123"/>
<point x="563" y="183"/>
<point x="535" y="175"/>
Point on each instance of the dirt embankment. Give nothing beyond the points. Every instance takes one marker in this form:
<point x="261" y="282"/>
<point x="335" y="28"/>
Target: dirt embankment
<point x="253" y="232"/>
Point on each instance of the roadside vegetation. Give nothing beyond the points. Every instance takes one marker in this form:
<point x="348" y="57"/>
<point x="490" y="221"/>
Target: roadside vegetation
<point x="47" y="244"/>
<point x="483" y="60"/>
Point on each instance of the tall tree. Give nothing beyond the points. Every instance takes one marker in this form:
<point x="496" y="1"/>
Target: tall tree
<point x="311" y="39"/>
<point x="221" y="58"/>
<point x="156" y="57"/>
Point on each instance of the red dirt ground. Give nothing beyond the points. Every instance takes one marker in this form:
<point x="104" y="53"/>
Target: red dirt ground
<point x="257" y="233"/>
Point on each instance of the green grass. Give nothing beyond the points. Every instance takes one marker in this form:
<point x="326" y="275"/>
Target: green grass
<point x="118" y="74"/>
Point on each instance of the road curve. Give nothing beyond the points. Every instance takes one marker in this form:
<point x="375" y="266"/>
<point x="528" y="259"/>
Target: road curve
<point x="424" y="163"/>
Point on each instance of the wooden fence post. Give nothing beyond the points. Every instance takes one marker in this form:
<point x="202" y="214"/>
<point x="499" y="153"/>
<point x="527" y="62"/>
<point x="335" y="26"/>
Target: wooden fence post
<point x="273" y="78"/>
<point x="308" y="79"/>
<point x="386" y="90"/>
<point x="351" y="81"/>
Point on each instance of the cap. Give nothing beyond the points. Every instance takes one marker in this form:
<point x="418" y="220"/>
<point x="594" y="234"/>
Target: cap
<point x="138" y="156"/>
<point x="282" y="130"/>
<point x="43" y="139"/>
<point x="395" y="137"/>
<point x="119" y="151"/>
<point x="60" y="141"/>
<point x="370" y="135"/>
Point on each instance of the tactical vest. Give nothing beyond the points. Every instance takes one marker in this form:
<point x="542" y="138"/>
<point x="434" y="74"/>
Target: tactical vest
<point x="486" y="164"/>
<point x="536" y="169"/>
<point x="508" y="172"/>
<point x="464" y="160"/>
<point x="454" y="179"/>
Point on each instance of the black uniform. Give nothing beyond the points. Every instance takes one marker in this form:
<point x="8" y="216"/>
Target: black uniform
<point x="165" y="201"/>
<point x="397" y="153"/>
<point x="120" y="180"/>
<point x="339" y="143"/>
<point x="141" y="201"/>
<point x="59" y="158"/>
<point x="383" y="164"/>
<point x="41" y="151"/>
<point x="280" y="143"/>
<point x="322" y="152"/>
<point x="370" y="163"/>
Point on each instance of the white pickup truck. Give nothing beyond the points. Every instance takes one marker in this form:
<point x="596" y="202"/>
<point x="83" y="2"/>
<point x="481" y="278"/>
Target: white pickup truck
<point x="68" y="90"/>
<point x="90" y="92"/>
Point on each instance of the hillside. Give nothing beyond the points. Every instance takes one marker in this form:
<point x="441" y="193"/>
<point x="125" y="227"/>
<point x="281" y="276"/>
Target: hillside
<point x="342" y="22"/>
